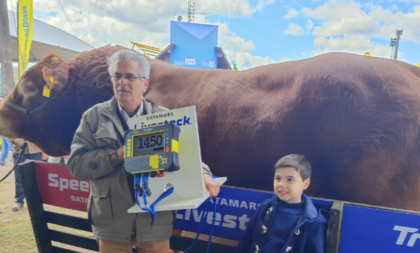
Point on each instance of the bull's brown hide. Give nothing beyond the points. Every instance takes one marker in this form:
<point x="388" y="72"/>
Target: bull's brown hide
<point x="53" y="127"/>
<point x="355" y="118"/>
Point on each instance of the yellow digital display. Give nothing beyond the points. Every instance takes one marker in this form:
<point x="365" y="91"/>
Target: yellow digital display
<point x="148" y="144"/>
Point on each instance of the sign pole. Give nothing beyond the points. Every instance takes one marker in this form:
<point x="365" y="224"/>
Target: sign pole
<point x="5" y="51"/>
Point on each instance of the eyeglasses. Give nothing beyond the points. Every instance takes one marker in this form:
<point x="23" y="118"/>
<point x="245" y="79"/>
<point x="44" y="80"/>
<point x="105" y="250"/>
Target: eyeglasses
<point x="130" y="78"/>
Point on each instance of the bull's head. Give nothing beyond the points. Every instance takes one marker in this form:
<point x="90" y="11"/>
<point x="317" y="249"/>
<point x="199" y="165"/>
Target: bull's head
<point x="51" y="73"/>
<point x="75" y="86"/>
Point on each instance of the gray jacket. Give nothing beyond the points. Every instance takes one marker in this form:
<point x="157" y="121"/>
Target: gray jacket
<point x="93" y="157"/>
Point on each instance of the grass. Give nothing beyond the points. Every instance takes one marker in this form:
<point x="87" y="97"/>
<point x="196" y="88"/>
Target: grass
<point x="16" y="236"/>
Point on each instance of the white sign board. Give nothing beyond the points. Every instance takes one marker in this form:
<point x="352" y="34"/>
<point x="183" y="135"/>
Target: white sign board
<point x="189" y="189"/>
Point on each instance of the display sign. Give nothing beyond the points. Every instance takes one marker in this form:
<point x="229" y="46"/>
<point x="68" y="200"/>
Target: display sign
<point x="187" y="182"/>
<point x="363" y="229"/>
<point x="195" y="45"/>
<point x="59" y="188"/>
<point x="367" y="230"/>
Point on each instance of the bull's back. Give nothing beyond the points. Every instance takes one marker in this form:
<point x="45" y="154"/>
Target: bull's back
<point x="344" y="112"/>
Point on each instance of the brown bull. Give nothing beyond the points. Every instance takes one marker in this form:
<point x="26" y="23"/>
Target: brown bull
<point x="357" y="119"/>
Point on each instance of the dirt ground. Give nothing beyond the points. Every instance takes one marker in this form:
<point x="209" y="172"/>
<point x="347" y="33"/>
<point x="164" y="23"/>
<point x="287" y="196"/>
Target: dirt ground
<point x="16" y="234"/>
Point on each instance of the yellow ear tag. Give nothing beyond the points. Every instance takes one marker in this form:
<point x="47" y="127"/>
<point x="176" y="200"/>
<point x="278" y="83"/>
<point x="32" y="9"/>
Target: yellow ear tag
<point x="51" y="79"/>
<point x="46" y="92"/>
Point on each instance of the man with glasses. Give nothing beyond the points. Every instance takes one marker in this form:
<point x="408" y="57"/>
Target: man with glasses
<point x="97" y="154"/>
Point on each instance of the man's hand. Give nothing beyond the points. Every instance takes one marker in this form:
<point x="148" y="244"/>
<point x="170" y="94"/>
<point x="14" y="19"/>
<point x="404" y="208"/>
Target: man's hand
<point x="212" y="185"/>
<point x="120" y="153"/>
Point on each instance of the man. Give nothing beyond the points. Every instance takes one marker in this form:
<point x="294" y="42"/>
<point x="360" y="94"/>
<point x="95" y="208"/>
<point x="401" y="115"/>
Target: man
<point x="32" y="152"/>
<point x="97" y="154"/>
<point x="5" y="144"/>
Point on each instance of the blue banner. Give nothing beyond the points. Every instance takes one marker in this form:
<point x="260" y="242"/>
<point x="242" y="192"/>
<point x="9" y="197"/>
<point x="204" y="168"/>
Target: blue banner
<point x="234" y="209"/>
<point x="195" y="45"/>
<point x="366" y="230"/>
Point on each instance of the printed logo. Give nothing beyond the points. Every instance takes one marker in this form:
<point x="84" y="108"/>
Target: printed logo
<point x="404" y="231"/>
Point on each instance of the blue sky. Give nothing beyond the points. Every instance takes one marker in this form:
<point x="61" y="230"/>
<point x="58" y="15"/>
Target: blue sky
<point x="251" y="32"/>
<point x="267" y="29"/>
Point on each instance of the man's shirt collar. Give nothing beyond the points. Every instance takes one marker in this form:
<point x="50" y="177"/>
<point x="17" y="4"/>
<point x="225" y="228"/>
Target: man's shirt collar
<point x="125" y="114"/>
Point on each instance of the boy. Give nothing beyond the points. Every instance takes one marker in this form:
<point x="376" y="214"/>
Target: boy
<point x="288" y="222"/>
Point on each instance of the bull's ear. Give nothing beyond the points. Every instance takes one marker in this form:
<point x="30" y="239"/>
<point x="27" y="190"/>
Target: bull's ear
<point x="56" y="77"/>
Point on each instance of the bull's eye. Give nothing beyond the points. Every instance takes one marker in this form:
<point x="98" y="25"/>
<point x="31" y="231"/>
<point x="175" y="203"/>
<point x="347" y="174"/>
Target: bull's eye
<point x="30" y="89"/>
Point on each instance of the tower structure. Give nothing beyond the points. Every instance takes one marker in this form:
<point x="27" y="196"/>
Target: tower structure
<point x="191" y="10"/>
<point x="395" y="43"/>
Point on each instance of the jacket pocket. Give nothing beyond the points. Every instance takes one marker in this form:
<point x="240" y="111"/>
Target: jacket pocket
<point x="101" y="210"/>
<point x="106" y="136"/>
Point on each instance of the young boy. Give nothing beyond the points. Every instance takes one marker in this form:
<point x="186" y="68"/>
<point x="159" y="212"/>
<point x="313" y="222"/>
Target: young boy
<point x="288" y="222"/>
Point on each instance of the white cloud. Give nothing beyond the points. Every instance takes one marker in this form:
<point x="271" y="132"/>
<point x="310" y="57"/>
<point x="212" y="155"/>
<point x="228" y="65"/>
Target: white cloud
<point x="409" y="22"/>
<point x="294" y="29"/>
<point x="263" y="3"/>
<point x="230" y="41"/>
<point x="292" y="13"/>
<point x="309" y="25"/>
<point x="234" y="8"/>
<point x="142" y="21"/>
<point x="284" y="59"/>
<point x="238" y="50"/>
<point x="340" y="17"/>
<point x="245" y="60"/>
<point x="346" y="26"/>
<point x="357" y="45"/>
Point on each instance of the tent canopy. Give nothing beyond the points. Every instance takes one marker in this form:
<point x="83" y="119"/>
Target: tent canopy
<point x="46" y="39"/>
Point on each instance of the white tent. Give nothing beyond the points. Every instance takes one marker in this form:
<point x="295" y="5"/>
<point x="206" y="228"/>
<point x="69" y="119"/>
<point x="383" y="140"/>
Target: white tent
<point x="47" y="38"/>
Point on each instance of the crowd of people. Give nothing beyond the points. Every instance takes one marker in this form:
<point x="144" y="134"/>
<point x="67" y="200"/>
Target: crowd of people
<point x="287" y="222"/>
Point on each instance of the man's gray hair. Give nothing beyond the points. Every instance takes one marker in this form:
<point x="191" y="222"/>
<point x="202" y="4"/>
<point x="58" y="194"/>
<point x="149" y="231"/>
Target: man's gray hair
<point x="129" y="55"/>
<point x="298" y="162"/>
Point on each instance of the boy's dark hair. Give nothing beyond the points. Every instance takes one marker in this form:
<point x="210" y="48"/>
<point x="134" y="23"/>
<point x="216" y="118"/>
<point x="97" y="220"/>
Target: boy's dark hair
<point x="298" y="162"/>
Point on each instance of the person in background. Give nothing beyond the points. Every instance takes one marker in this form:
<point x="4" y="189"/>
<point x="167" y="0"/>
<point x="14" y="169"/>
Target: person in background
<point x="5" y="144"/>
<point x="32" y="152"/>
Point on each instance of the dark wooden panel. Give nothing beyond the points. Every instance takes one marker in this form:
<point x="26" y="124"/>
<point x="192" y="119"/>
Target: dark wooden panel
<point x="75" y="240"/>
<point x="181" y="244"/>
<point x="68" y="221"/>
<point x="35" y="207"/>
<point x="334" y="227"/>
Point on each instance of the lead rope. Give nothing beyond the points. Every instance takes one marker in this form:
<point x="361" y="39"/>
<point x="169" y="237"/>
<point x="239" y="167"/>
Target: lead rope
<point x="28" y="115"/>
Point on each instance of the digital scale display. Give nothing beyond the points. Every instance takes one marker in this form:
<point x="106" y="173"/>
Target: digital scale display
<point x="152" y="148"/>
<point x="147" y="144"/>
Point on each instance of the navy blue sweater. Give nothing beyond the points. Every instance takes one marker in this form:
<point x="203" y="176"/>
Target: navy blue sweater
<point x="307" y="236"/>
<point x="285" y="220"/>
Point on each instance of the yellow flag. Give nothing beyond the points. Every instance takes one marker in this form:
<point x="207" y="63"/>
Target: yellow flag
<point x="25" y="30"/>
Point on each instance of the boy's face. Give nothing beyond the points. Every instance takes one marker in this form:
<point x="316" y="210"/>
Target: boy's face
<point x="288" y="185"/>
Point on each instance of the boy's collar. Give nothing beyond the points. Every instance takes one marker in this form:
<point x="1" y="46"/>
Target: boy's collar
<point x="309" y="210"/>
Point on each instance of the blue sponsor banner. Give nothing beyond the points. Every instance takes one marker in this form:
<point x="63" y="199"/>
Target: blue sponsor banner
<point x="366" y="230"/>
<point x="195" y="45"/>
<point x="234" y="209"/>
